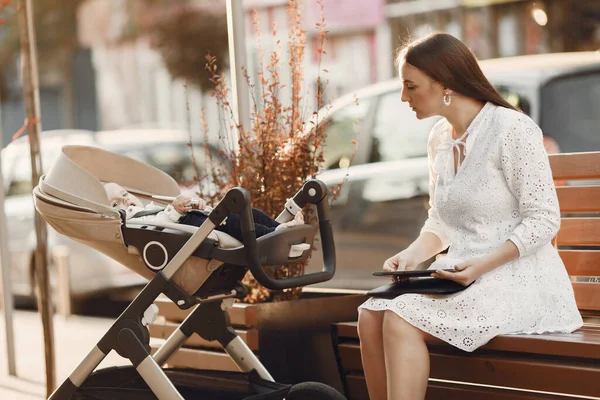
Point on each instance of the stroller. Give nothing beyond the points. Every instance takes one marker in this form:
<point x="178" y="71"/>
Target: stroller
<point x="193" y="266"/>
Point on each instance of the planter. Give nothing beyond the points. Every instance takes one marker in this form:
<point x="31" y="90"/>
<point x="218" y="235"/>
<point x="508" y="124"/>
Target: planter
<point x="291" y="338"/>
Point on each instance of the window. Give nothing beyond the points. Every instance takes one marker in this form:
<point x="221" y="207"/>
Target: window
<point x="571" y="112"/>
<point x="515" y="99"/>
<point x="8" y="160"/>
<point x="18" y="174"/>
<point x="16" y="169"/>
<point x="175" y="160"/>
<point x="343" y="126"/>
<point x="397" y="133"/>
<point x="508" y="36"/>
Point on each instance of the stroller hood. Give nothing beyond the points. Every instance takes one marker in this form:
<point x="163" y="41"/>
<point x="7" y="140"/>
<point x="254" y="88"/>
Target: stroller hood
<point x="73" y="201"/>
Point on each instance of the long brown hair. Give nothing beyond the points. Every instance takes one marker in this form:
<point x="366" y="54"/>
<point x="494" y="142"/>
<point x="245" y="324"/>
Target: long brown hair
<point x="447" y="60"/>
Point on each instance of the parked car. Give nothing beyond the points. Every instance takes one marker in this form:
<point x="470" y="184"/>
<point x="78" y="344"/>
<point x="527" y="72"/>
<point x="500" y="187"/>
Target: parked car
<point x="168" y="150"/>
<point x="383" y="203"/>
<point x="91" y="272"/>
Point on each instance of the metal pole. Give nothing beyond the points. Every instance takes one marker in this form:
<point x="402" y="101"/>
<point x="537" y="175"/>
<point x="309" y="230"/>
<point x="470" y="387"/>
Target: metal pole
<point x="32" y="110"/>
<point x="6" y="274"/>
<point x="236" y="31"/>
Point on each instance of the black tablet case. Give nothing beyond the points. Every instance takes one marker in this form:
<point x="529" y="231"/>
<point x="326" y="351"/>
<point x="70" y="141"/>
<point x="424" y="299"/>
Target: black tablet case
<point x="417" y="285"/>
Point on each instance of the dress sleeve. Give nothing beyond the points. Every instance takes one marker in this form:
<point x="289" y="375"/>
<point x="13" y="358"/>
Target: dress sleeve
<point x="526" y="168"/>
<point x="434" y="224"/>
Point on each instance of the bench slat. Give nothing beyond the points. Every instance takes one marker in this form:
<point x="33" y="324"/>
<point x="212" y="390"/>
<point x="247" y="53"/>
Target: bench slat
<point x="579" y="232"/>
<point x="198" y="359"/>
<point x="581" y="262"/>
<point x="457" y="391"/>
<point x="347" y="329"/>
<point x="584" y="343"/>
<point x="579" y="379"/>
<point x="587" y="296"/>
<point x="241" y="314"/>
<point x="572" y="166"/>
<point x="578" y="199"/>
<point x="487" y="368"/>
<point x="357" y="388"/>
<point x="162" y="330"/>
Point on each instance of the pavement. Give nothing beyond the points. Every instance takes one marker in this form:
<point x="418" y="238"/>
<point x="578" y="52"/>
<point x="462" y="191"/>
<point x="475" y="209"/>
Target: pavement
<point x="74" y="337"/>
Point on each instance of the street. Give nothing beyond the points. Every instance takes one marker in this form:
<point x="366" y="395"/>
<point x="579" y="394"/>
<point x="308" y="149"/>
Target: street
<point x="74" y="338"/>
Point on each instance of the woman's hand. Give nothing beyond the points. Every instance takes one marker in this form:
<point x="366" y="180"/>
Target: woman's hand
<point x="466" y="273"/>
<point x="403" y="261"/>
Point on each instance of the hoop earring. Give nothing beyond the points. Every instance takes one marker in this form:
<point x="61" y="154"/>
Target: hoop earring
<point x="447" y="99"/>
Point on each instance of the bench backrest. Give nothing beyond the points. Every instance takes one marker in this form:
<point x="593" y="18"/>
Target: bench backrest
<point x="577" y="179"/>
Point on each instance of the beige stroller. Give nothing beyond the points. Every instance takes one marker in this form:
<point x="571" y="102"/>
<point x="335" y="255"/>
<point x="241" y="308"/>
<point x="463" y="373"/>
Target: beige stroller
<point x="193" y="266"/>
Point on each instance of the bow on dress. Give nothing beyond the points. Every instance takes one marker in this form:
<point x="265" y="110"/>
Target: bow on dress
<point x="448" y="147"/>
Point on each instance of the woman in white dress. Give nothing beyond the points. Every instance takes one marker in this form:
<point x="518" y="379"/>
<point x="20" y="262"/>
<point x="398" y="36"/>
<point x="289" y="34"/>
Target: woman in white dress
<point x="493" y="203"/>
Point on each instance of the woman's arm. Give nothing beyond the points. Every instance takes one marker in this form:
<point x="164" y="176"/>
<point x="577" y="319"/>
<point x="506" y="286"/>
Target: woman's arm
<point x="468" y="271"/>
<point x="434" y="235"/>
<point x="526" y="168"/>
<point x="527" y="173"/>
<point x="426" y="246"/>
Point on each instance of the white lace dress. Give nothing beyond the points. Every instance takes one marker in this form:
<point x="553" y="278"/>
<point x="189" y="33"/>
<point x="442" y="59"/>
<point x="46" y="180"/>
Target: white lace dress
<point x="503" y="190"/>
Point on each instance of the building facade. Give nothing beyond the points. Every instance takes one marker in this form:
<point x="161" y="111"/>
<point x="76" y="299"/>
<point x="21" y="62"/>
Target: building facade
<point x="134" y="86"/>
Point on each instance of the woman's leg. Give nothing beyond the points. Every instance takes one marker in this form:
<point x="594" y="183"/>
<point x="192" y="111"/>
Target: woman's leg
<point x="370" y="324"/>
<point x="406" y="359"/>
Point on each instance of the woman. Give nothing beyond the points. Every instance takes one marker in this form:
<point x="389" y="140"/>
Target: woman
<point x="493" y="202"/>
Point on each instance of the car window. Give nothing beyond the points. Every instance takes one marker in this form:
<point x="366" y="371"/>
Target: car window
<point x="18" y="174"/>
<point x="16" y="168"/>
<point x="397" y="133"/>
<point x="571" y="112"/>
<point x="515" y="99"/>
<point x="174" y="159"/>
<point x="8" y="159"/>
<point x="343" y="126"/>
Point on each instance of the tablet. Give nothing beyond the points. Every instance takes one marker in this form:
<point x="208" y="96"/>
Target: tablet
<point x="409" y="274"/>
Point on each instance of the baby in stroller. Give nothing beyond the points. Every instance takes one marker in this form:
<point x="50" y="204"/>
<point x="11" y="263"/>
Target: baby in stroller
<point x="188" y="211"/>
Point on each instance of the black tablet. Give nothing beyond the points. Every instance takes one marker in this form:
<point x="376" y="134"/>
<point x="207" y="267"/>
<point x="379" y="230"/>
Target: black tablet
<point x="409" y="274"/>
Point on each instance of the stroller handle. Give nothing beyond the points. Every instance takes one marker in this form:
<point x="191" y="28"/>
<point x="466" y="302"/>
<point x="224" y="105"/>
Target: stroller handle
<point x="312" y="192"/>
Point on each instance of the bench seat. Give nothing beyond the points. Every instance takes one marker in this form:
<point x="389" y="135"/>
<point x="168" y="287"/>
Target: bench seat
<point x="517" y="361"/>
<point x="584" y="342"/>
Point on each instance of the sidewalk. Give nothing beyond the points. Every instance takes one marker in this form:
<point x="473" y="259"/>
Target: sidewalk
<point x="74" y="337"/>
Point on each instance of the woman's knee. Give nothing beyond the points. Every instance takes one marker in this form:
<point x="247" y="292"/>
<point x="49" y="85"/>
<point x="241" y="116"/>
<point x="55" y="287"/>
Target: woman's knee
<point x="395" y="327"/>
<point x="370" y="323"/>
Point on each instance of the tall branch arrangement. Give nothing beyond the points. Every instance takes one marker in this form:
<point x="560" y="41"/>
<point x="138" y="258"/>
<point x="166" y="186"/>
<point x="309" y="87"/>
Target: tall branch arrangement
<point x="278" y="153"/>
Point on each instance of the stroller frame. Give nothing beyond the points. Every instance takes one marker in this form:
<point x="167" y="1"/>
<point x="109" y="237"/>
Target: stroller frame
<point x="129" y="336"/>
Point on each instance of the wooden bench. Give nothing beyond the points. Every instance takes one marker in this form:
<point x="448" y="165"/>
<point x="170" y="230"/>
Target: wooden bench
<point x="547" y="366"/>
<point x="292" y="339"/>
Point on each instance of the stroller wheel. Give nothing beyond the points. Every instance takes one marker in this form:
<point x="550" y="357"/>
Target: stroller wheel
<point x="313" y="391"/>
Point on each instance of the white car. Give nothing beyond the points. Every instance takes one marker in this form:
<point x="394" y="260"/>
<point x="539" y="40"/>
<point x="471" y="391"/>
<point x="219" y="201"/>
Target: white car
<point x="383" y="204"/>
